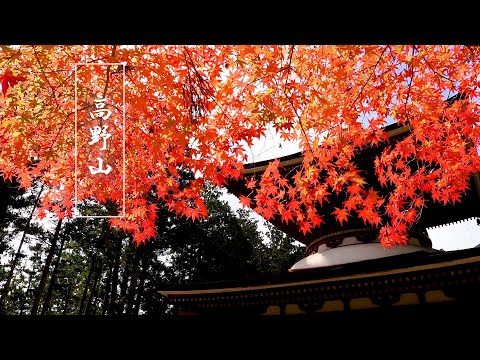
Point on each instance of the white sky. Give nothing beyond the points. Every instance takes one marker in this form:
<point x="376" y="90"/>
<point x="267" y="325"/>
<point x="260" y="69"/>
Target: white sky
<point x="450" y="237"/>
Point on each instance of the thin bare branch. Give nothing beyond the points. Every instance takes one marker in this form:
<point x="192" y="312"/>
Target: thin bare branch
<point x="369" y="77"/>
<point x="108" y="72"/>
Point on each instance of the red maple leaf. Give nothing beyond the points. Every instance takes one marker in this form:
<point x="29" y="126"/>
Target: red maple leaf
<point x="8" y="79"/>
<point x="340" y="214"/>
<point x="267" y="213"/>
<point x="305" y="227"/>
<point x="251" y="183"/>
<point x="245" y="201"/>
<point x="286" y="216"/>
<point x="219" y="180"/>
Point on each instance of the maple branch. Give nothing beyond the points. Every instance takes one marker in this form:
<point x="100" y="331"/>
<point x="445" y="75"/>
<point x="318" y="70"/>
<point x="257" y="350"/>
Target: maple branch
<point x="68" y="77"/>
<point x="436" y="72"/>
<point x="370" y="76"/>
<point x="289" y="68"/>
<point x="43" y="73"/>
<point x="419" y="214"/>
<point x="61" y="128"/>
<point x="147" y="98"/>
<point x="243" y="90"/>
<point x="469" y="47"/>
<point x="50" y="72"/>
<point x="53" y="94"/>
<point x="190" y="62"/>
<point x="409" y="85"/>
<point x="48" y="81"/>
<point x="108" y="72"/>
<point x="197" y="100"/>
<point x="294" y="168"/>
<point x="363" y="69"/>
<point x="13" y="56"/>
<point x="197" y="74"/>
<point x="79" y="67"/>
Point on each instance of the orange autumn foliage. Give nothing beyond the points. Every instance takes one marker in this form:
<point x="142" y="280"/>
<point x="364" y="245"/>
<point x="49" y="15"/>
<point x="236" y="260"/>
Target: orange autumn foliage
<point x="199" y="107"/>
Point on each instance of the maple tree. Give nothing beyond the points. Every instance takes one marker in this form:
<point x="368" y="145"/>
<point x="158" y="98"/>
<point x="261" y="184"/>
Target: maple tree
<point x="200" y="107"/>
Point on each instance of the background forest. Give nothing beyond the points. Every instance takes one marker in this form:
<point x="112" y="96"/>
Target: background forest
<point x="81" y="266"/>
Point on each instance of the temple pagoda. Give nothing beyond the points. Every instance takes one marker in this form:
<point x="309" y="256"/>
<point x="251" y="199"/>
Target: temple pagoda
<point x="345" y="267"/>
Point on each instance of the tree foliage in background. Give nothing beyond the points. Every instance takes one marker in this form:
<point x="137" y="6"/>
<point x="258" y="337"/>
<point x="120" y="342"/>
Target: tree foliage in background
<point x="91" y="269"/>
<point x="12" y="202"/>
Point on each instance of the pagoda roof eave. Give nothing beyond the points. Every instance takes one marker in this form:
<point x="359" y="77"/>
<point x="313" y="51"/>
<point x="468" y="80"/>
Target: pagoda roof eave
<point x="296" y="158"/>
<point x="416" y="261"/>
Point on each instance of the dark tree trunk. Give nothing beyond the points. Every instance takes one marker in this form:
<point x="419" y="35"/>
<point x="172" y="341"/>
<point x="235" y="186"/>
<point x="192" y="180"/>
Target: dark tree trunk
<point x="116" y="267"/>
<point x="25" y="295"/>
<point x="85" y="288"/>
<point x="14" y="262"/>
<point x="67" y="299"/>
<point x="98" y="272"/>
<point x="133" y="283"/>
<point x="123" y="288"/>
<point x="143" y="275"/>
<point x="107" y="290"/>
<point x="53" y="278"/>
<point x="46" y="269"/>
